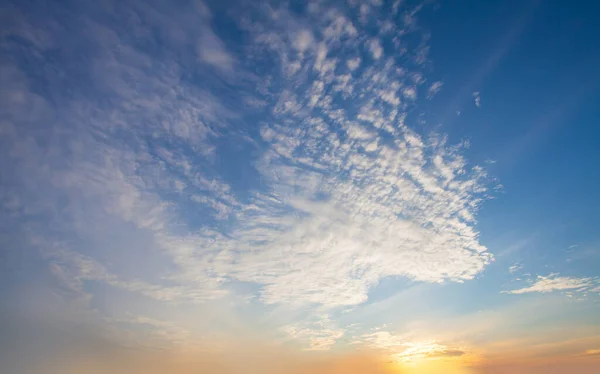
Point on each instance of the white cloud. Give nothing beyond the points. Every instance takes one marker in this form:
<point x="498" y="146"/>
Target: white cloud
<point x="375" y="48"/>
<point x="321" y="334"/>
<point x="212" y="50"/>
<point x="353" y="63"/>
<point x="434" y="88"/>
<point x="303" y="41"/>
<point x="320" y="60"/>
<point x="477" y="98"/>
<point x="339" y="28"/>
<point x="382" y="340"/>
<point x="335" y="250"/>
<point x="410" y="93"/>
<point x="554" y="282"/>
<point x="514" y="268"/>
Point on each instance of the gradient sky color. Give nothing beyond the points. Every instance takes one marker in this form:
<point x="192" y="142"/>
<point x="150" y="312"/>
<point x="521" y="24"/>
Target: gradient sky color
<point x="325" y="186"/>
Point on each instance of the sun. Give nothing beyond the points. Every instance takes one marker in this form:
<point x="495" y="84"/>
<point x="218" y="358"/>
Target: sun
<point x="429" y="357"/>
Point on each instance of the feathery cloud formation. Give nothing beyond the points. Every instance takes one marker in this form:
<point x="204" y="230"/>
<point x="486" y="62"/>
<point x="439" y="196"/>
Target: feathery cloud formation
<point x="554" y="282"/>
<point x="330" y="192"/>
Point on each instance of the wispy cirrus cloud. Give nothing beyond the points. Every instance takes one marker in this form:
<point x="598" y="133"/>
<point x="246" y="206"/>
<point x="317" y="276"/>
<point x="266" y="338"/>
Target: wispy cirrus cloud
<point x="434" y="88"/>
<point x="337" y="193"/>
<point x="554" y="282"/>
<point x="515" y="268"/>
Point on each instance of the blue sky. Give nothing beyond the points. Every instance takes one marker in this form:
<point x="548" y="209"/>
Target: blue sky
<point x="404" y="183"/>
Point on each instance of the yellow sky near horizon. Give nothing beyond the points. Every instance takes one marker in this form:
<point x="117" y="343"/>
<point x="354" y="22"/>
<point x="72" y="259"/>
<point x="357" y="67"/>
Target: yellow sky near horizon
<point x="250" y="359"/>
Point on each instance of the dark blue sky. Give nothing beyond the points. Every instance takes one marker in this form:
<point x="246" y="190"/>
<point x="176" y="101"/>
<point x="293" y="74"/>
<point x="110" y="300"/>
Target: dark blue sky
<point x="535" y="64"/>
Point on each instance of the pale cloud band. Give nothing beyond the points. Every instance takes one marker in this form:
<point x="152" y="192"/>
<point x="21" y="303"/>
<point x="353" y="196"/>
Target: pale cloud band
<point x="554" y="282"/>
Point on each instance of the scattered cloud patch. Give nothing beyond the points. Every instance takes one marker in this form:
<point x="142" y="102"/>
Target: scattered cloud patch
<point x="353" y="63"/>
<point x="320" y="334"/>
<point x="375" y="48"/>
<point x="410" y="93"/>
<point x="477" y="98"/>
<point x="554" y="282"/>
<point x="212" y="50"/>
<point x="514" y="268"/>
<point x="303" y="41"/>
<point x="434" y="89"/>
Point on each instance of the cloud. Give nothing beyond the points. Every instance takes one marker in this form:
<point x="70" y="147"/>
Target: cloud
<point x="329" y="193"/>
<point x="321" y="333"/>
<point x="73" y="269"/>
<point x="303" y="40"/>
<point x="434" y="88"/>
<point x="592" y="352"/>
<point x="375" y="48"/>
<point x="212" y="50"/>
<point x="353" y="63"/>
<point x="487" y="336"/>
<point x="410" y="93"/>
<point x="477" y="98"/>
<point x="554" y="282"/>
<point x="514" y="268"/>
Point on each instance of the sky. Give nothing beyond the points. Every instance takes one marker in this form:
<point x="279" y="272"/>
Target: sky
<point x="324" y="186"/>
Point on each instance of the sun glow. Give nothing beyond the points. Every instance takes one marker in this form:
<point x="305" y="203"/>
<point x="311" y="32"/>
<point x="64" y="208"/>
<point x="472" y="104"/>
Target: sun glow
<point x="429" y="356"/>
<point x="434" y="367"/>
<point x="418" y="351"/>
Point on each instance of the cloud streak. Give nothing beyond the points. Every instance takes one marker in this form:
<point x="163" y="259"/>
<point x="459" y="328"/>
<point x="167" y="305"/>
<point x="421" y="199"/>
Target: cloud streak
<point x="554" y="282"/>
